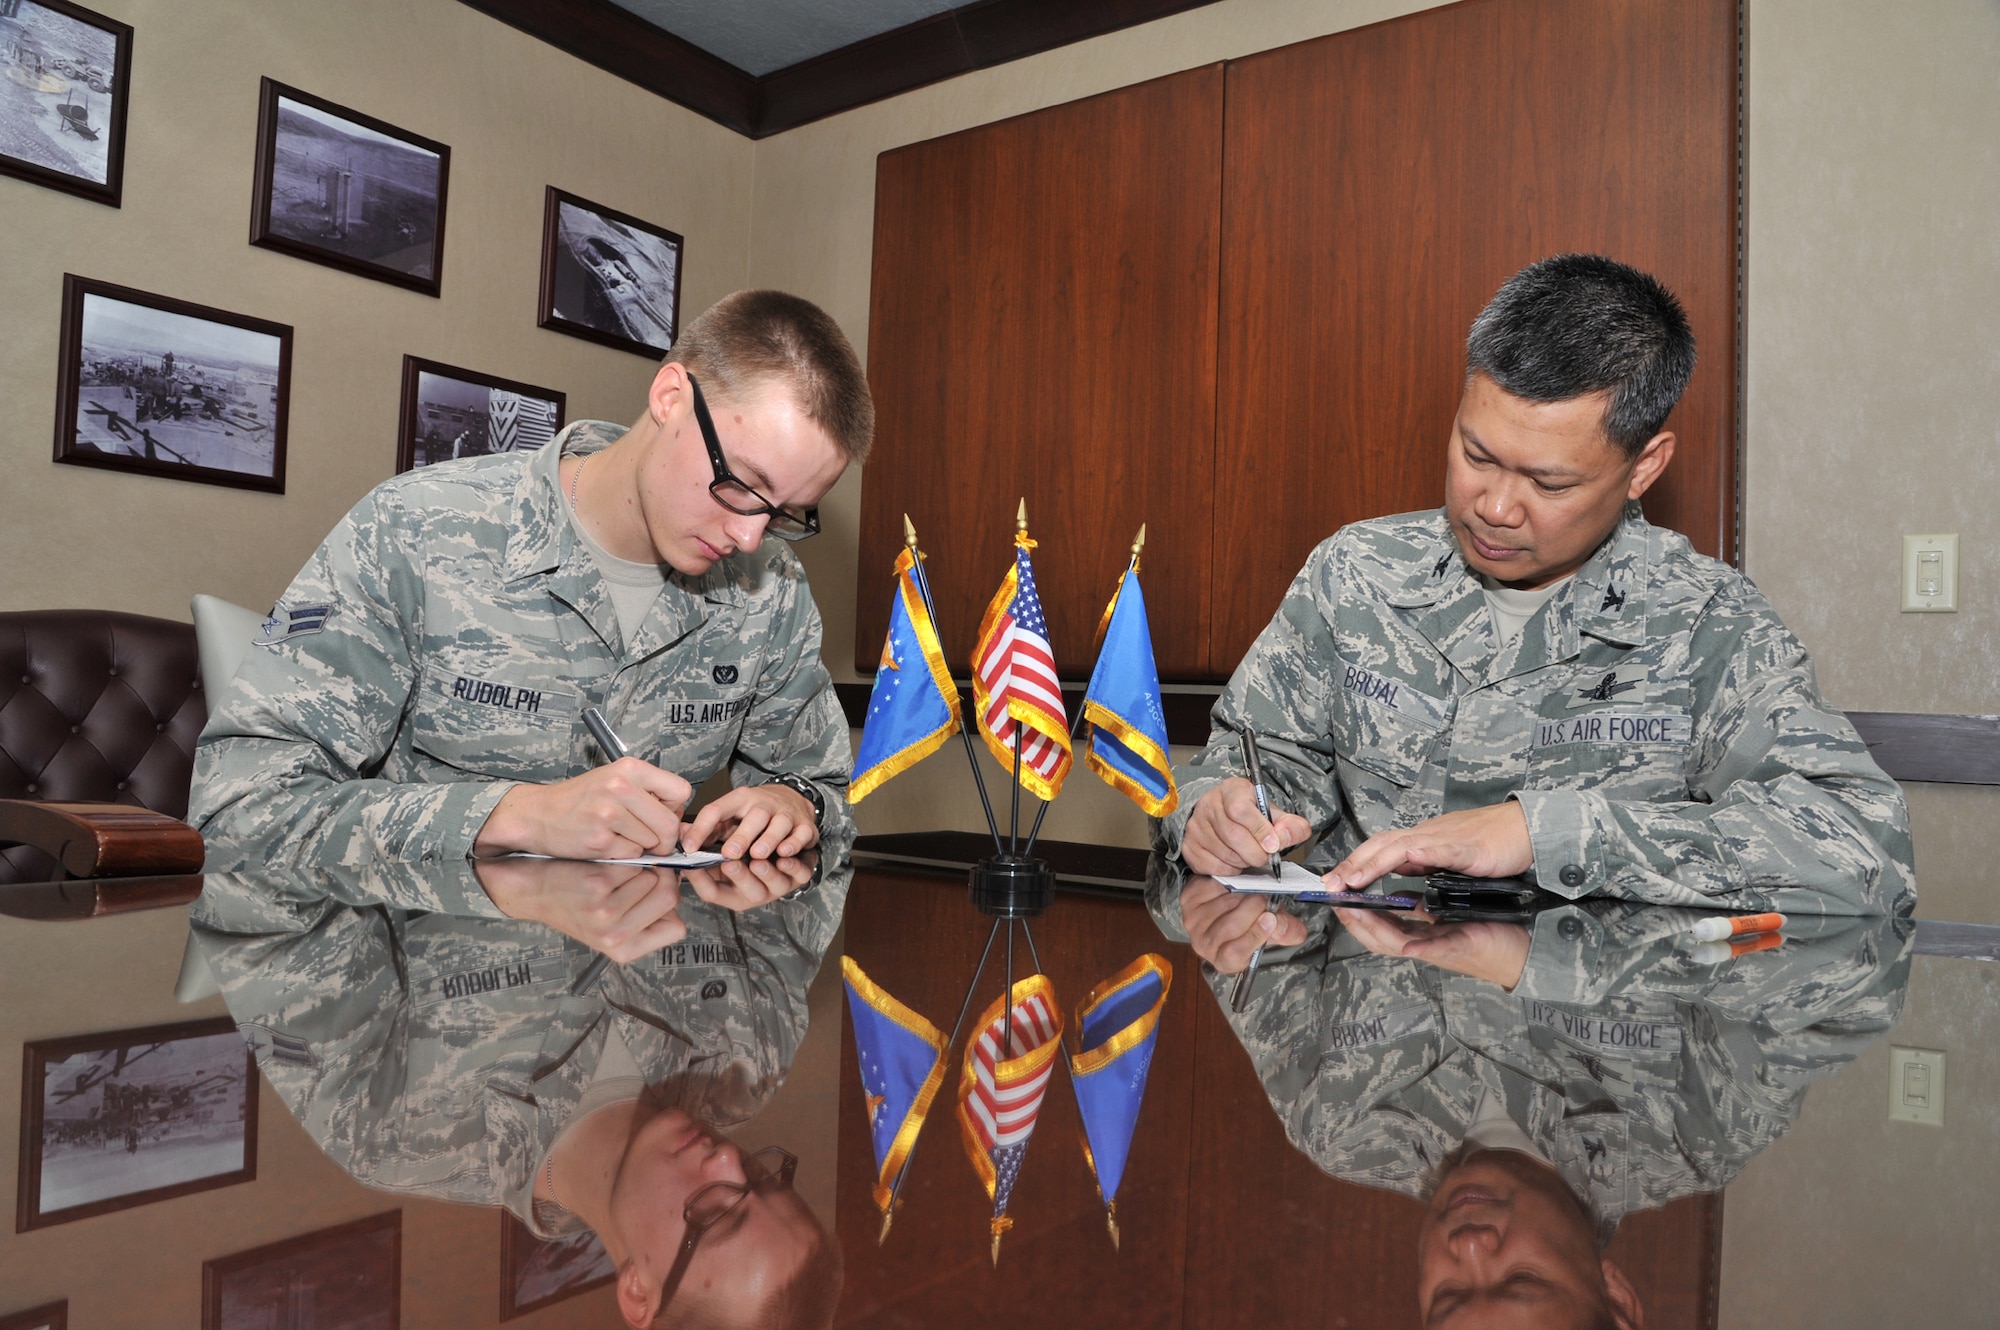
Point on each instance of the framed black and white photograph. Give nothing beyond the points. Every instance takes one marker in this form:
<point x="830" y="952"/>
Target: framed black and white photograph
<point x="348" y="190"/>
<point x="349" y="1277"/>
<point x="62" y="100"/>
<point x="535" y="1272"/>
<point x="450" y="413"/>
<point x="50" y="1316"/>
<point x="110" y="1121"/>
<point x="160" y="386"/>
<point x="609" y="277"/>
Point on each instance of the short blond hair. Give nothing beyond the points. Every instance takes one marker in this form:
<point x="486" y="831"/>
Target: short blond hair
<point x="751" y="336"/>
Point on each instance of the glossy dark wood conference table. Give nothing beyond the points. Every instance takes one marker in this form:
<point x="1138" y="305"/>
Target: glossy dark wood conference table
<point x="1223" y="1221"/>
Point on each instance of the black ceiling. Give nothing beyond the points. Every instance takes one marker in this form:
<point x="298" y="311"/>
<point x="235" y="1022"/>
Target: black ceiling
<point x="957" y="41"/>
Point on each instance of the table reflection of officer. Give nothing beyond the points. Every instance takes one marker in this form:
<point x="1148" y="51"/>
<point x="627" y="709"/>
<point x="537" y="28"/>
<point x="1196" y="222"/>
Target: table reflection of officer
<point x="447" y="1056"/>
<point x="1535" y="1085"/>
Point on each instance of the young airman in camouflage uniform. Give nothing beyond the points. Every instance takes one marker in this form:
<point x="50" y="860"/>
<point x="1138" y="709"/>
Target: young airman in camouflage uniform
<point x="417" y="693"/>
<point x="444" y="1054"/>
<point x="1533" y="679"/>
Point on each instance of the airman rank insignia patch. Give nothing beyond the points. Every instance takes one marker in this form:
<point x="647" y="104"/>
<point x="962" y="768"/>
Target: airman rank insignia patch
<point x="283" y="625"/>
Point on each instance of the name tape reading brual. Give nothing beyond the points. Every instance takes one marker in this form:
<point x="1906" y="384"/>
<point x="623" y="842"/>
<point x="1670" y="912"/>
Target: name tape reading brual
<point x="1387" y="1028"/>
<point x="1395" y="694"/>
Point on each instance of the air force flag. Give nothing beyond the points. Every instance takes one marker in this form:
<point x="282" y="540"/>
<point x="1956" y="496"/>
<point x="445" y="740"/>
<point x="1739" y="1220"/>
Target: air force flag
<point x="902" y="1065"/>
<point x="1118" y="1024"/>
<point x="914" y="707"/>
<point x="1128" y="727"/>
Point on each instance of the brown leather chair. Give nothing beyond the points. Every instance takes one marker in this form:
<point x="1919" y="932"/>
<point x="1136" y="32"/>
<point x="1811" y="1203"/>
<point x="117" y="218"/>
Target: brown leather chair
<point x="96" y="707"/>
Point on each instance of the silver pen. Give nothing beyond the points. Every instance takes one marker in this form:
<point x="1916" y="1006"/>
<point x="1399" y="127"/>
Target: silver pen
<point x="1273" y="903"/>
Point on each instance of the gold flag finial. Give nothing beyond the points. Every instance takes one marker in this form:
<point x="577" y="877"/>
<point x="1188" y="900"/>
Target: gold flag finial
<point x="1021" y="518"/>
<point x="996" y="1251"/>
<point x="1111" y="1222"/>
<point x="909" y="532"/>
<point x="1138" y="542"/>
<point x="888" y="1218"/>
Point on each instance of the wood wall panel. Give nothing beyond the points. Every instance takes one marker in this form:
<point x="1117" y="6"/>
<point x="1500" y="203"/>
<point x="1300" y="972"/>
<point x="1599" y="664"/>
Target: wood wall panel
<point x="1043" y="325"/>
<point x="1380" y="184"/>
<point x="918" y="936"/>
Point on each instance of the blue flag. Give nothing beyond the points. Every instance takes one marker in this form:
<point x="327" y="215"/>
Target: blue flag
<point x="1128" y="727"/>
<point x="914" y="707"/>
<point x="902" y="1065"/>
<point x="1118" y="1025"/>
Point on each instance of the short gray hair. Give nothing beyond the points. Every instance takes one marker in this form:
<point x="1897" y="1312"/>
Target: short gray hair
<point x="1577" y="324"/>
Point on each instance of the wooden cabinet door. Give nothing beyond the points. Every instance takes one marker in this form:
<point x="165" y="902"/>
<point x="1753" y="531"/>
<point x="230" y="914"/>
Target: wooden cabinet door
<point x="1043" y="326"/>
<point x="1380" y="184"/>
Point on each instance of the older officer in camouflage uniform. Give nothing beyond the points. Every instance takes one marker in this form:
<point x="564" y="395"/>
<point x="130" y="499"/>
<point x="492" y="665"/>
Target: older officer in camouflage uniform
<point x="417" y="692"/>
<point x="1621" y="1062"/>
<point x="1534" y="680"/>
<point x="446" y="1055"/>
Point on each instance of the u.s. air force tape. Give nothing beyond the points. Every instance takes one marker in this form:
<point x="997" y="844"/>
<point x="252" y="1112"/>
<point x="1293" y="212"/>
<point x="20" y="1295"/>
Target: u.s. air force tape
<point x="507" y="697"/>
<point x="1609" y="1034"/>
<point x="1620" y="728"/>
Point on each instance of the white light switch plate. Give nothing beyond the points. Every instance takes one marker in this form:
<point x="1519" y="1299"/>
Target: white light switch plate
<point x="1930" y="574"/>
<point x="1916" y="1086"/>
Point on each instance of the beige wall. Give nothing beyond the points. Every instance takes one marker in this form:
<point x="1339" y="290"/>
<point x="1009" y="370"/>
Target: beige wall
<point x="518" y="116"/>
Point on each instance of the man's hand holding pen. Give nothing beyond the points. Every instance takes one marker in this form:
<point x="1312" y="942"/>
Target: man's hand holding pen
<point x="1226" y="834"/>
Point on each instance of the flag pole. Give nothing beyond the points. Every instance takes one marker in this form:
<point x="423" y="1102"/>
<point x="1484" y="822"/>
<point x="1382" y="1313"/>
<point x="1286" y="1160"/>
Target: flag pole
<point x="924" y="589"/>
<point x="1076" y="726"/>
<point x="1014" y="818"/>
<point x="896" y="1190"/>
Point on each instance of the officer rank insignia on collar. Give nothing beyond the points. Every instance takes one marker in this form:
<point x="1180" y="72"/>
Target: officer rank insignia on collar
<point x="1444" y="562"/>
<point x="1614" y="601"/>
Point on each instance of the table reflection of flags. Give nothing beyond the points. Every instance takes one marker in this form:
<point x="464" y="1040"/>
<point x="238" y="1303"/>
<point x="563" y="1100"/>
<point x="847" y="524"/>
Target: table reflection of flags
<point x="1000" y="1088"/>
<point x="902" y="1065"/>
<point x="1014" y="682"/>
<point x="1128" y="726"/>
<point x="913" y="707"/>
<point x="1117" y="1027"/>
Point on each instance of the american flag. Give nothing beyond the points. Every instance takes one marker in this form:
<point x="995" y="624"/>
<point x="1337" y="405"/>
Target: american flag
<point x="1014" y="681"/>
<point x="1000" y="1094"/>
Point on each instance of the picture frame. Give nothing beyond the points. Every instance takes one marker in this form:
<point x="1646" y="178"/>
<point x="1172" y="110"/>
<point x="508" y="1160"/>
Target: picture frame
<point x="166" y="387"/>
<point x="609" y="277"/>
<point x="535" y="1272"/>
<point x="65" y="78"/>
<point x="338" y="187"/>
<point x="449" y="412"/>
<point x="355" y="1270"/>
<point x="128" y="1117"/>
<point x="48" y="1316"/>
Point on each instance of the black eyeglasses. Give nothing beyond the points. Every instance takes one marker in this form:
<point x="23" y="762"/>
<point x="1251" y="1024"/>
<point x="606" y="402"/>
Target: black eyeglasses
<point x="770" y="1169"/>
<point x="727" y="490"/>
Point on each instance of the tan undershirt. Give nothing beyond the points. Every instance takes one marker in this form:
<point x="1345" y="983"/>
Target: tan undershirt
<point x="1511" y="609"/>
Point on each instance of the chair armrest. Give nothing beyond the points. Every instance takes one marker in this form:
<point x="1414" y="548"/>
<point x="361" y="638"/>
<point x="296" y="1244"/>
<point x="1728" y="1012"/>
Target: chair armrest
<point x="102" y="840"/>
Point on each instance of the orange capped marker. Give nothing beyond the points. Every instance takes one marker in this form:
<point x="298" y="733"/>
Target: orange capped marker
<point x="1718" y="927"/>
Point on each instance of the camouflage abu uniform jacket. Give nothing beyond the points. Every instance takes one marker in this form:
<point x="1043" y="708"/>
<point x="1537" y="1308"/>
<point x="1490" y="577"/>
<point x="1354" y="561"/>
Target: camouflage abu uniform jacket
<point x="1660" y="727"/>
<point x="440" y="1055"/>
<point x="1640" y="1073"/>
<point x="443" y="642"/>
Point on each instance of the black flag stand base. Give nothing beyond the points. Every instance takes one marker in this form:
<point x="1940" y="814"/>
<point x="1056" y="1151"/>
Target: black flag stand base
<point x="1013" y="886"/>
